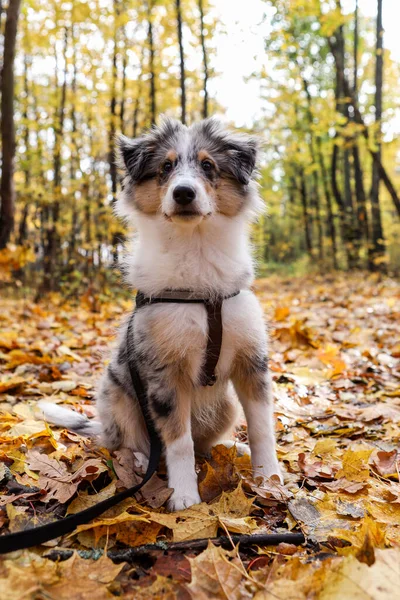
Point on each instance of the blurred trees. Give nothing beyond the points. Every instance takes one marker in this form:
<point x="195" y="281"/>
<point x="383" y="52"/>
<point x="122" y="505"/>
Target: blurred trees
<point x="328" y="103"/>
<point x="87" y="70"/>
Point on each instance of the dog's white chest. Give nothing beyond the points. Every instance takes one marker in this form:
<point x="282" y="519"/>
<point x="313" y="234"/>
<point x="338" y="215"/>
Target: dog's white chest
<point x="179" y="331"/>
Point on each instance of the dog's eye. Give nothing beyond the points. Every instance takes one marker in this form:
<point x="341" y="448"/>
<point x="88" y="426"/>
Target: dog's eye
<point x="207" y="166"/>
<point x="168" y="166"/>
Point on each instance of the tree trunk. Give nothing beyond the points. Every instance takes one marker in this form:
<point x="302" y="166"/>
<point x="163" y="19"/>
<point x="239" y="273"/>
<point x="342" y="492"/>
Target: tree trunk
<point x="74" y="159"/>
<point x="362" y="213"/>
<point x="151" y="63"/>
<point x="22" y="230"/>
<point x="123" y="90"/>
<point x="53" y="237"/>
<point x="306" y="216"/>
<point x="315" y="183"/>
<point x="205" y="61"/>
<point x="135" y="120"/>
<point x="113" y="108"/>
<point x="375" y="155"/>
<point x="182" y="61"/>
<point x="7" y="127"/>
<point x="377" y="239"/>
<point x="355" y="52"/>
<point x="349" y="223"/>
<point x="113" y="117"/>
<point x="328" y="199"/>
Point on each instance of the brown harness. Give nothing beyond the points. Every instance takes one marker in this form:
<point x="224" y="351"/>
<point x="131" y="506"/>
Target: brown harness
<point x="213" y="307"/>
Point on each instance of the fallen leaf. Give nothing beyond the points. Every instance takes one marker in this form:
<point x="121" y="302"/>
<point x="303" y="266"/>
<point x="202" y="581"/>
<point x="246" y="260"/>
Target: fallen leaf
<point x="355" y="465"/>
<point x="33" y="576"/>
<point x="217" y="573"/>
<point x="358" y="581"/>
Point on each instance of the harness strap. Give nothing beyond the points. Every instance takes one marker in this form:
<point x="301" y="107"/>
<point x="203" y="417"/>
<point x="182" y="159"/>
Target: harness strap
<point x="214" y="342"/>
<point x="213" y="307"/>
<point x="44" y="533"/>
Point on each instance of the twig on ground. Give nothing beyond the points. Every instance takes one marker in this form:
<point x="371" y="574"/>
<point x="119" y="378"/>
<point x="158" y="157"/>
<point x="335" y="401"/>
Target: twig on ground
<point x="130" y="554"/>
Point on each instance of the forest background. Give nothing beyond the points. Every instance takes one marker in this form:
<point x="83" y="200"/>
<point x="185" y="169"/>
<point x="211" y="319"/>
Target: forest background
<point x="75" y="74"/>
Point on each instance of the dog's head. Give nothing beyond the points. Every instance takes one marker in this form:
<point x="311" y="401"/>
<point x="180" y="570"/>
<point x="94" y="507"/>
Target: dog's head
<point x="187" y="174"/>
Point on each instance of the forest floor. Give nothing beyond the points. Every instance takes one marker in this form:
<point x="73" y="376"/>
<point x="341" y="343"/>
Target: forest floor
<point x="335" y="360"/>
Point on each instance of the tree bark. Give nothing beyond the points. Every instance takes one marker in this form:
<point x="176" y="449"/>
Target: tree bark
<point x="123" y="90"/>
<point x="182" y="61"/>
<point x="74" y="159"/>
<point x="7" y="127"/>
<point x="375" y="156"/>
<point x="362" y="212"/>
<point x="349" y="224"/>
<point x="151" y="63"/>
<point x="112" y="131"/>
<point x="377" y="238"/>
<point x="22" y="229"/>
<point x="306" y="216"/>
<point x="205" y="60"/>
<point x="135" y="120"/>
<point x="113" y="107"/>
<point x="328" y="199"/>
<point x="53" y="238"/>
<point x="315" y="183"/>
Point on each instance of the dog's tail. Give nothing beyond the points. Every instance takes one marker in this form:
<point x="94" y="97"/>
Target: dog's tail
<point x="64" y="417"/>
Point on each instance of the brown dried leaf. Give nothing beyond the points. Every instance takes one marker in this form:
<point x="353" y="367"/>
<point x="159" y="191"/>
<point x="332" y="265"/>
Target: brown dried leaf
<point x="217" y="573"/>
<point x="32" y="576"/>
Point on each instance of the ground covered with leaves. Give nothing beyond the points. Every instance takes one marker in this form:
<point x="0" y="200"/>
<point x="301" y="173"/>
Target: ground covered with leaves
<point x="335" y="360"/>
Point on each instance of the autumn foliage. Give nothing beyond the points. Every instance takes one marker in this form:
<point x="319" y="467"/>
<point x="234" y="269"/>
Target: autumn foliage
<point x="335" y="362"/>
<point x="87" y="71"/>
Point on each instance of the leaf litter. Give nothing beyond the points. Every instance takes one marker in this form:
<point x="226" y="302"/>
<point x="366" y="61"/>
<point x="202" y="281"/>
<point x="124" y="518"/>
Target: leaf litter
<point x="335" y="363"/>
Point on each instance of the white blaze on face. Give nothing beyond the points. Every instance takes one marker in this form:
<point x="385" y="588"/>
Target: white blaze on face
<point x="186" y="175"/>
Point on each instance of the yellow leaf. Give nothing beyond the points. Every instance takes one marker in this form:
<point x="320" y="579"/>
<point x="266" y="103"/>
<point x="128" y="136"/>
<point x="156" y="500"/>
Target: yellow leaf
<point x="355" y="464"/>
<point x="356" y="580"/>
<point x="11" y="383"/>
<point x="281" y="312"/>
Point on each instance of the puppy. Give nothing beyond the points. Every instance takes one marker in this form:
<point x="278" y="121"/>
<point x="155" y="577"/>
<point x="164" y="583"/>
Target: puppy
<point x="190" y="192"/>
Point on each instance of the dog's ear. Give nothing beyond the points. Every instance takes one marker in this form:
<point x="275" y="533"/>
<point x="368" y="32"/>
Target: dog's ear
<point x="242" y="154"/>
<point x="135" y="156"/>
<point x="236" y="152"/>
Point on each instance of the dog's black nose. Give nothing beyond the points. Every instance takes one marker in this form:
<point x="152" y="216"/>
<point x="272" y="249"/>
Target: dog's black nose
<point x="183" y="194"/>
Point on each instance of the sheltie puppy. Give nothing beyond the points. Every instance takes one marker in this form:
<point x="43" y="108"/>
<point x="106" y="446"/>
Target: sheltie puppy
<point x="190" y="193"/>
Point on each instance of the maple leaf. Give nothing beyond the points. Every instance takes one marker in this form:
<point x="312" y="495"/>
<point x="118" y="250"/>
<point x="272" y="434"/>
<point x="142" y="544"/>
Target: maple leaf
<point x="57" y="480"/>
<point x="217" y="573"/>
<point x="355" y="464"/>
<point x="33" y="575"/>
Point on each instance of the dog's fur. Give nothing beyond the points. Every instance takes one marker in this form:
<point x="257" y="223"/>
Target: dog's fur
<point x="202" y="246"/>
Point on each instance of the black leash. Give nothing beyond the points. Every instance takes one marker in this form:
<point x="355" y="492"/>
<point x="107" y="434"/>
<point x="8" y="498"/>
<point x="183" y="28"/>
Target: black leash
<point x="44" y="533"/>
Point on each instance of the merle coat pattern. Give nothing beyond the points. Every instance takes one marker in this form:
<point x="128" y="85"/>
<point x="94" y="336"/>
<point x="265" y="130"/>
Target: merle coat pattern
<point x="190" y="192"/>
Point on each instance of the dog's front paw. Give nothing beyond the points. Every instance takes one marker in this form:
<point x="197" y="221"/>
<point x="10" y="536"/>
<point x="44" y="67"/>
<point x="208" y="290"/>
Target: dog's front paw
<point x="182" y="501"/>
<point x="269" y="470"/>
<point x="277" y="472"/>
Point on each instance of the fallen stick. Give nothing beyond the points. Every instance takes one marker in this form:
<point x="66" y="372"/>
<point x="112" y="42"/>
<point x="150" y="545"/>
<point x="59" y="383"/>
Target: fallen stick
<point x="130" y="554"/>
